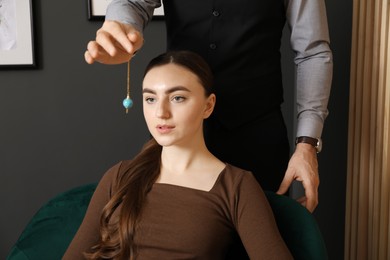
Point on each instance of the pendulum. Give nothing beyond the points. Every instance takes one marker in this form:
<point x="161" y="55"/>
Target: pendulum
<point x="128" y="102"/>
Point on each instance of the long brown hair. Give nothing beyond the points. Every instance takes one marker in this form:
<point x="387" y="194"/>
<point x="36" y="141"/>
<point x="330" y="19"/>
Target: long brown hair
<point x="136" y="180"/>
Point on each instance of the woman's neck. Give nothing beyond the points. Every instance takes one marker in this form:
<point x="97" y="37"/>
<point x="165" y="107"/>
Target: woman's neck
<point x="197" y="169"/>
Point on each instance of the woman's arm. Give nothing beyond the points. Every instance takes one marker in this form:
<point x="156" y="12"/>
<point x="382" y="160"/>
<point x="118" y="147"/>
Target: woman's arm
<point x="255" y="222"/>
<point x="89" y="231"/>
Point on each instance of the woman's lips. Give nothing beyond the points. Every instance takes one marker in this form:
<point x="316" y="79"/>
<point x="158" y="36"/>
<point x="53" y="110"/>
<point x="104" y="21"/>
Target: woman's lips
<point x="163" y="129"/>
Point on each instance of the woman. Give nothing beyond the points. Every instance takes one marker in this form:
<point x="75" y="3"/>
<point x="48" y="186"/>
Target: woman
<point x="176" y="200"/>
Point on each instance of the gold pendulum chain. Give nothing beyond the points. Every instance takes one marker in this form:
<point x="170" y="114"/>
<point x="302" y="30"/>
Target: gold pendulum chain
<point x="128" y="102"/>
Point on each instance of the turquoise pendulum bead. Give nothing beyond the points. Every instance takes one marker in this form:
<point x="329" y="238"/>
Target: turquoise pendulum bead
<point x="127" y="103"/>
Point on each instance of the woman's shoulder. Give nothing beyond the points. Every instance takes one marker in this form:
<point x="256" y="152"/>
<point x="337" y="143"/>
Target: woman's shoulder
<point x="117" y="168"/>
<point x="235" y="175"/>
<point x="111" y="176"/>
<point x="237" y="183"/>
<point x="235" y="171"/>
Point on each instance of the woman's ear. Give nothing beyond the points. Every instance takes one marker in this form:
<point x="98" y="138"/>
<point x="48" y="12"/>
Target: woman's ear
<point x="210" y="104"/>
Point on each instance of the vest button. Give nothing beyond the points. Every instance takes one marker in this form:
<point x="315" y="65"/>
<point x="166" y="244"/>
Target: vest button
<point x="215" y="13"/>
<point x="213" y="46"/>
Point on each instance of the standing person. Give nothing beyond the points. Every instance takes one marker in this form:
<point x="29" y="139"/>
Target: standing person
<point x="175" y="199"/>
<point x="241" y="41"/>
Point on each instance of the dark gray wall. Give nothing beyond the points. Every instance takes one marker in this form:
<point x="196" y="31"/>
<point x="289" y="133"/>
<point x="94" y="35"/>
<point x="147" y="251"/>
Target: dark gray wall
<point x="62" y="125"/>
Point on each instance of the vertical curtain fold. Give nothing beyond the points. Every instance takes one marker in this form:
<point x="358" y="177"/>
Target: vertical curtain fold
<point x="367" y="229"/>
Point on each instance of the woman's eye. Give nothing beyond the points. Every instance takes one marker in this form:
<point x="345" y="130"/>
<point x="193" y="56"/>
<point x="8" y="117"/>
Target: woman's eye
<point x="149" y="100"/>
<point x="178" y="98"/>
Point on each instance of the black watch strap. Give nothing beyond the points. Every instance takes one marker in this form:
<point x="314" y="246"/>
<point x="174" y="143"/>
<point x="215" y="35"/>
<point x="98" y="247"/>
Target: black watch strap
<point x="316" y="143"/>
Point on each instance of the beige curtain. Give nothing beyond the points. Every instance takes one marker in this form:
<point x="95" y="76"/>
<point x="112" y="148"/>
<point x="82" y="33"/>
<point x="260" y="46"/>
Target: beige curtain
<point x="367" y="230"/>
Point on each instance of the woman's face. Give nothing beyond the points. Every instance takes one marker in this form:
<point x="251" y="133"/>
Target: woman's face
<point x="175" y="105"/>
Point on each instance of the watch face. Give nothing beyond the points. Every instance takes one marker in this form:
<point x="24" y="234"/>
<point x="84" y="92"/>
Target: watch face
<point x="319" y="145"/>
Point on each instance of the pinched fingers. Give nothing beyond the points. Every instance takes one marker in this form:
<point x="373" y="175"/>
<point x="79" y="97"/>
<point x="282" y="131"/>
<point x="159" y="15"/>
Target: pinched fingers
<point x="115" y="43"/>
<point x="115" y="35"/>
<point x="107" y="42"/>
<point x="88" y="58"/>
<point x="96" y="53"/>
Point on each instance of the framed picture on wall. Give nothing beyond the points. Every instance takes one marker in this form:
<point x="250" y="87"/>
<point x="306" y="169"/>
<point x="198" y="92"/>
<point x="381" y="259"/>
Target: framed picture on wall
<point x="16" y="34"/>
<point x="97" y="10"/>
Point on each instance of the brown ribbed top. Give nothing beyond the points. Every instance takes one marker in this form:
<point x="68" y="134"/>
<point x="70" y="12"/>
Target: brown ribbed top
<point x="185" y="223"/>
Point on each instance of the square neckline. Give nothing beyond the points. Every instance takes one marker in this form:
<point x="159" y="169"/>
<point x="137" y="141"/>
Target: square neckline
<point x="162" y="184"/>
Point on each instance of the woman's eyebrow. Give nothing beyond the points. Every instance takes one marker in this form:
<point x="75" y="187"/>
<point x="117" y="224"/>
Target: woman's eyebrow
<point x="168" y="91"/>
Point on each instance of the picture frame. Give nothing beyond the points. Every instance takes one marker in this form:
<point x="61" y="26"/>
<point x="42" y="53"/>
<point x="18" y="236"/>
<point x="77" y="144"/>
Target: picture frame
<point x="16" y="34"/>
<point x="97" y="10"/>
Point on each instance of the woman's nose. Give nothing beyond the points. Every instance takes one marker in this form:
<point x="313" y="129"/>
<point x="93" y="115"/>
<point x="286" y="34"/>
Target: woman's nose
<point x="162" y="110"/>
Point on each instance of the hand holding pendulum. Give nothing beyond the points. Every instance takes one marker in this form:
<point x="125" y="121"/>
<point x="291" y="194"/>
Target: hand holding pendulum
<point x="128" y="102"/>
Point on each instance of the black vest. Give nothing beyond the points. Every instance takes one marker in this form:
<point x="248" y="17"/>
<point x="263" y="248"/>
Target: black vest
<point x="240" y="39"/>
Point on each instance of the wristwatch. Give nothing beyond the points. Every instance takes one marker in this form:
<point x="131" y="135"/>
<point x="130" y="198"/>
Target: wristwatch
<point x="316" y="142"/>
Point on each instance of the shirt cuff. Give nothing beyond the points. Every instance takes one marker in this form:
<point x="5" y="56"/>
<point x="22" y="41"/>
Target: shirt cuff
<point x="310" y="127"/>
